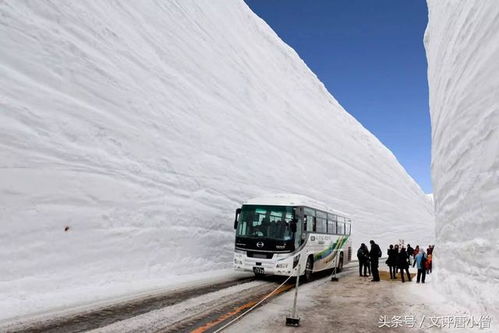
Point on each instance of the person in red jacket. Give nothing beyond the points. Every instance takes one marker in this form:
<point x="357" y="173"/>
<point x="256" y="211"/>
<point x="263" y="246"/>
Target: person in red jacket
<point x="416" y="251"/>
<point x="427" y="264"/>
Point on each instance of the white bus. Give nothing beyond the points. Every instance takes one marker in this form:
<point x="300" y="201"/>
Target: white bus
<point x="276" y="233"/>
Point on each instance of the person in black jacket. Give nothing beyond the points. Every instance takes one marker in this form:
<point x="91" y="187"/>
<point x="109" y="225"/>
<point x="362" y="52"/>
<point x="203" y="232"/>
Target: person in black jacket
<point x="410" y="250"/>
<point x="396" y="251"/>
<point x="392" y="261"/>
<point x="368" y="262"/>
<point x="363" y="256"/>
<point x="410" y="253"/>
<point x="403" y="264"/>
<point x="374" y="255"/>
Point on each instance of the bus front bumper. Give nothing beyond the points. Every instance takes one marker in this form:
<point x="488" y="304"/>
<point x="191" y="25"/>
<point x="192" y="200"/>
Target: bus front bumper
<point x="261" y="270"/>
<point x="264" y="266"/>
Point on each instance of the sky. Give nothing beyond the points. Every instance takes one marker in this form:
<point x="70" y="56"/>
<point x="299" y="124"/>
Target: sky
<point x="370" y="56"/>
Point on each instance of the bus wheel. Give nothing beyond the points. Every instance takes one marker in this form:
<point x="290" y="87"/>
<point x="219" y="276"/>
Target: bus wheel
<point x="309" y="269"/>
<point x="340" y="264"/>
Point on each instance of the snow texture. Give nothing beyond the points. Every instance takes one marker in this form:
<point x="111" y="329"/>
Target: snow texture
<point x="462" y="45"/>
<point x="130" y="131"/>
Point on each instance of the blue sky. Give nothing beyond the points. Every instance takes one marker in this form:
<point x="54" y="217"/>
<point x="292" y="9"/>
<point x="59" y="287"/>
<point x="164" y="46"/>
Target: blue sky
<point x="370" y="56"/>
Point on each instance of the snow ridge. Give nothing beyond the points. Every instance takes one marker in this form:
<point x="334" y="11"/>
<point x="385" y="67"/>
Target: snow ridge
<point x="462" y="45"/>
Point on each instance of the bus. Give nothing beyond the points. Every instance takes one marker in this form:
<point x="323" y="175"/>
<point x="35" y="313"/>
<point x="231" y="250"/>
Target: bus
<point x="277" y="234"/>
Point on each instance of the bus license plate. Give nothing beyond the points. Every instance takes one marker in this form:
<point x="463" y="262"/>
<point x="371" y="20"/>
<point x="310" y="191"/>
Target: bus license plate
<point x="258" y="270"/>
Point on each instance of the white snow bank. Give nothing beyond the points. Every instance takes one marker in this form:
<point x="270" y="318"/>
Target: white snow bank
<point x="462" y="45"/>
<point x="140" y="126"/>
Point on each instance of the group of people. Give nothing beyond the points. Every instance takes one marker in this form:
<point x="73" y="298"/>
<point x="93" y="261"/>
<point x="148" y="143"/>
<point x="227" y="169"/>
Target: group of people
<point x="402" y="259"/>
<point x="369" y="260"/>
<point x="399" y="259"/>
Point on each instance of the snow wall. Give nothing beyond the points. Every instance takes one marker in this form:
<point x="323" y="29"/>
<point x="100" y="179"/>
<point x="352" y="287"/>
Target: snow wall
<point x="462" y="45"/>
<point x="130" y="132"/>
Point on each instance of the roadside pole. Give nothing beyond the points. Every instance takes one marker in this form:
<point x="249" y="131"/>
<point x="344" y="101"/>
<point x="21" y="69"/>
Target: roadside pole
<point x="294" y="320"/>
<point x="333" y="277"/>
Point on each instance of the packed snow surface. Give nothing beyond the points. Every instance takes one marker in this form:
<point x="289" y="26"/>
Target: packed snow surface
<point x="130" y="131"/>
<point x="462" y="45"/>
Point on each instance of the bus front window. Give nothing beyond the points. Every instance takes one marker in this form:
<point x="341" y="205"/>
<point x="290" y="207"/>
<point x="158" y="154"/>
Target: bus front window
<point x="265" y="222"/>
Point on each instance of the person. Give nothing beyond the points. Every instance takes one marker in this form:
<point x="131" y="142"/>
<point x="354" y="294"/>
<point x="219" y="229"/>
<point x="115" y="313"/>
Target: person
<point x="403" y="264"/>
<point x="427" y="264"/>
<point x="430" y="257"/>
<point x="263" y="229"/>
<point x="410" y="253"/>
<point x="410" y="250"/>
<point x="374" y="255"/>
<point x="282" y="230"/>
<point x="360" y="258"/>
<point x="363" y="256"/>
<point x="396" y="249"/>
<point x="420" y="262"/>
<point x="368" y="262"/>
<point x="391" y="261"/>
<point x="416" y="251"/>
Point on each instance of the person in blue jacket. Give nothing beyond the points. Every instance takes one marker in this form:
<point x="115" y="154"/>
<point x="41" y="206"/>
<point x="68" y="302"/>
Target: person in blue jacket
<point x="420" y="261"/>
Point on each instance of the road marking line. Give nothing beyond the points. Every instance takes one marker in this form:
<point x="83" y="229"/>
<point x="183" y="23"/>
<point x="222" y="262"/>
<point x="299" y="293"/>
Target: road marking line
<point x="237" y="310"/>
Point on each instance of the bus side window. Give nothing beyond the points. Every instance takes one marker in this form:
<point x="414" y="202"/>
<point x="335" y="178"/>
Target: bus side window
<point x="310" y="223"/>
<point x="349" y="226"/>
<point x="331" y="227"/>
<point x="321" y="225"/>
<point x="341" y="228"/>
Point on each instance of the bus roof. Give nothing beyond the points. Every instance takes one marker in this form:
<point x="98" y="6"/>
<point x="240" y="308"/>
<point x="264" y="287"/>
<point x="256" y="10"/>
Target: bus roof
<point x="283" y="199"/>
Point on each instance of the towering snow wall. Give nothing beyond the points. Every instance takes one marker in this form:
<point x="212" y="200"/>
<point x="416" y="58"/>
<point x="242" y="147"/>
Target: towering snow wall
<point x="462" y="45"/>
<point x="140" y="126"/>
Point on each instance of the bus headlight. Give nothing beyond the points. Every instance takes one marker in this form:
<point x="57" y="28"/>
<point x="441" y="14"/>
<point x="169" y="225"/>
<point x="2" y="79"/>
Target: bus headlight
<point x="281" y="266"/>
<point x="295" y="260"/>
<point x="238" y="262"/>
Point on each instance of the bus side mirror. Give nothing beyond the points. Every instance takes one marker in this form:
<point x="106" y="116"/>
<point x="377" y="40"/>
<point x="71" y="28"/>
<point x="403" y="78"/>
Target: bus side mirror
<point x="238" y="211"/>
<point x="292" y="225"/>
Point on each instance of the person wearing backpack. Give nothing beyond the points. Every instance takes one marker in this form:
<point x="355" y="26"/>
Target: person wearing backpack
<point x="374" y="255"/>
<point x="363" y="256"/>
<point x="420" y="261"/>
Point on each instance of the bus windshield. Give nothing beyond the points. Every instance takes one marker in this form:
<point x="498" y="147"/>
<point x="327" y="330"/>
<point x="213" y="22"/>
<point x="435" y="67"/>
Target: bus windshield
<point x="265" y="222"/>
